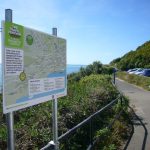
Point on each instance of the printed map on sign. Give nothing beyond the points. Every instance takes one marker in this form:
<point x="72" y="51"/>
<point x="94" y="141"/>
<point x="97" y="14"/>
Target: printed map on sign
<point x="35" y="67"/>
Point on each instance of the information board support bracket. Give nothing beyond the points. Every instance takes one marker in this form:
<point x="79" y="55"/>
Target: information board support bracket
<point x="54" y="111"/>
<point x="10" y="116"/>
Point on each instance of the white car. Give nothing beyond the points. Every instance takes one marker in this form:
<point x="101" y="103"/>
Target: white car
<point x="133" y="70"/>
<point x="139" y="71"/>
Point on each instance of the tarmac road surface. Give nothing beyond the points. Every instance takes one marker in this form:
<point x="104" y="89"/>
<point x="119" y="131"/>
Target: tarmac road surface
<point x="140" y="101"/>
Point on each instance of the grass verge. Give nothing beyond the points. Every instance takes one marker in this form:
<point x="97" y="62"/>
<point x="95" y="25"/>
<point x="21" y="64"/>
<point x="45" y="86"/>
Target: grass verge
<point x="141" y="81"/>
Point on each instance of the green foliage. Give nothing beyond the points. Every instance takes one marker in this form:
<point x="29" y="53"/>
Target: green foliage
<point x="110" y="147"/>
<point x="115" y="61"/>
<point x="88" y="91"/>
<point x="112" y="139"/>
<point x="140" y="58"/>
<point x="3" y="131"/>
<point x="107" y="69"/>
<point x="95" y="68"/>
<point x="141" y="81"/>
<point x="103" y="132"/>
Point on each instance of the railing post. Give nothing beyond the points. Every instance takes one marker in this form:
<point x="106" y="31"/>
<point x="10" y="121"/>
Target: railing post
<point x="121" y="100"/>
<point x="91" y="131"/>
<point x="114" y="76"/>
<point x="10" y="116"/>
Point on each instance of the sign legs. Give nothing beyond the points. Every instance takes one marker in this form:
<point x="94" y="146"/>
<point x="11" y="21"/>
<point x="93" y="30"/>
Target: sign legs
<point x="55" y="124"/>
<point x="10" y="128"/>
<point x="10" y="116"/>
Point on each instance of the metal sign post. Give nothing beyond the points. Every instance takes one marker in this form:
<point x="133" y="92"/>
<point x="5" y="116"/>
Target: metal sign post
<point x="55" y="124"/>
<point x="114" y="76"/>
<point x="10" y="116"/>
<point x="10" y="128"/>
<point x="54" y="111"/>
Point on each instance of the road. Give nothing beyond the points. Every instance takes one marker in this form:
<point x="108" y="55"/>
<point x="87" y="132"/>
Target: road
<point x="140" y="101"/>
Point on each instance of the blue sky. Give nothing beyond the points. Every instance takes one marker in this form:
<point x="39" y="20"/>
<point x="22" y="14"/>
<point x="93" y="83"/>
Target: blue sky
<point x="96" y="30"/>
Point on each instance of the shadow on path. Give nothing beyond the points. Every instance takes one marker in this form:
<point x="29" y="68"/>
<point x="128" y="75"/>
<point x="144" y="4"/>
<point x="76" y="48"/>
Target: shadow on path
<point x="133" y="122"/>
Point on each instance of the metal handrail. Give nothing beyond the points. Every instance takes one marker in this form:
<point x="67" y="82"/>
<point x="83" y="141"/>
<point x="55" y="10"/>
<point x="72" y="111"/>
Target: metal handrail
<point x="87" y="119"/>
<point x="49" y="146"/>
<point x="109" y="127"/>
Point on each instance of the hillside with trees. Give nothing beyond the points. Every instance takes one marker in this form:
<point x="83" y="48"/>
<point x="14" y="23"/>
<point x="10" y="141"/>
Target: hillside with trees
<point x="140" y="58"/>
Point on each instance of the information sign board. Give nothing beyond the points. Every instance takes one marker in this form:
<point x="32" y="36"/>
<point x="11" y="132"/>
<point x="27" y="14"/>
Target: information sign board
<point x="34" y="67"/>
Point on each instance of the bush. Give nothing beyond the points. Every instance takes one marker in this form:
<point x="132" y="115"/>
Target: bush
<point x="88" y="91"/>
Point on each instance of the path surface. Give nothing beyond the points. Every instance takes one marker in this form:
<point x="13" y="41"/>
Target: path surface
<point x="140" y="101"/>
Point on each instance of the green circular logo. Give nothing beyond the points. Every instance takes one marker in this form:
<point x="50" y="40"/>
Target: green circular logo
<point x="22" y="76"/>
<point x="29" y="39"/>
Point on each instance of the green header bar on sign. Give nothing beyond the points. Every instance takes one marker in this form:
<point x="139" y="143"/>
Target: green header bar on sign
<point x="14" y="35"/>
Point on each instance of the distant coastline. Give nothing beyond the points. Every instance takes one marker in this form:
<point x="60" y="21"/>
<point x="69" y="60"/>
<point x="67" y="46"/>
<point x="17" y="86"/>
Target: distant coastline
<point x="70" y="69"/>
<point x="74" y="68"/>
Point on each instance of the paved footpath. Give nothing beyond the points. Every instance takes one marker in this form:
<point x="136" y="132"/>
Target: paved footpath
<point x="140" y="101"/>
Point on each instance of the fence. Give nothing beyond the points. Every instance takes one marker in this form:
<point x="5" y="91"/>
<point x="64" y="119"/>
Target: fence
<point x="89" y="123"/>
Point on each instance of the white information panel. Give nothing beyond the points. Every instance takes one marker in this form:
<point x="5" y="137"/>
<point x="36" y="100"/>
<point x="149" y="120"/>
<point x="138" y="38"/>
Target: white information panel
<point x="34" y="67"/>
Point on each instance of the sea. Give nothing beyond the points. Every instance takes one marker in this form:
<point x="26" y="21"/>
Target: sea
<point x="70" y="69"/>
<point x="74" y="68"/>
